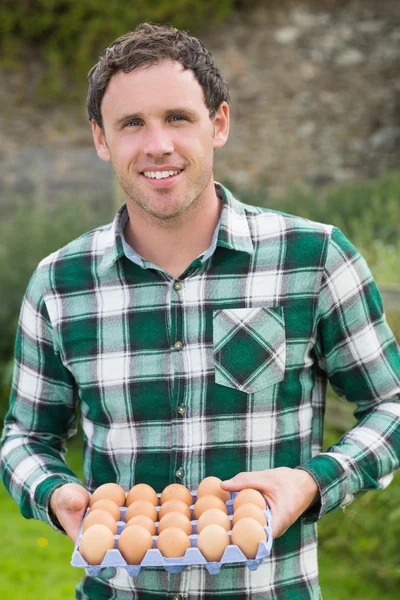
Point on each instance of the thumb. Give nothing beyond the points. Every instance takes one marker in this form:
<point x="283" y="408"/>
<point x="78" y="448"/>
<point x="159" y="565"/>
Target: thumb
<point x="241" y="481"/>
<point x="71" y="496"/>
<point x="74" y="502"/>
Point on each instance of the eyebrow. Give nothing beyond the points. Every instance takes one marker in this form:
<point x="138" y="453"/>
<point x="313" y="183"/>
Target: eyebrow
<point x="185" y="112"/>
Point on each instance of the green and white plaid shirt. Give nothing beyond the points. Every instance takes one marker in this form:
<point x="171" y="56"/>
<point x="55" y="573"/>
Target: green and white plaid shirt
<point x="219" y="371"/>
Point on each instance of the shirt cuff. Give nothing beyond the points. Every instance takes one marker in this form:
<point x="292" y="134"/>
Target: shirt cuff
<point x="332" y="480"/>
<point x="41" y="500"/>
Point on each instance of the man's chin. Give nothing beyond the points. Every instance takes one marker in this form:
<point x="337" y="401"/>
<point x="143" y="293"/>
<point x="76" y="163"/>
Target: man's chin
<point x="164" y="215"/>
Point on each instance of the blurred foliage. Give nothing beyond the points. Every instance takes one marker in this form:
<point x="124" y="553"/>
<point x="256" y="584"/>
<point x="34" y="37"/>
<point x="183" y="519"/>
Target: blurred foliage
<point x="67" y="36"/>
<point x="393" y="318"/>
<point x="359" y="547"/>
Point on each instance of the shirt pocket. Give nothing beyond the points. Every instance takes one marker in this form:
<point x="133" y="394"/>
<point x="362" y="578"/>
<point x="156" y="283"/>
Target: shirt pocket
<point x="249" y="347"/>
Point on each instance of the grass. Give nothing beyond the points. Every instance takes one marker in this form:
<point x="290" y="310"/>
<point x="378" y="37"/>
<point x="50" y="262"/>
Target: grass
<point x="35" y="558"/>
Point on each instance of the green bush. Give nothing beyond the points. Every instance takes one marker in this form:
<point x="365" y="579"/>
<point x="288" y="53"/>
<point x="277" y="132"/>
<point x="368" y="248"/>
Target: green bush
<point x="393" y="318"/>
<point x="359" y="547"/>
<point x="67" y="36"/>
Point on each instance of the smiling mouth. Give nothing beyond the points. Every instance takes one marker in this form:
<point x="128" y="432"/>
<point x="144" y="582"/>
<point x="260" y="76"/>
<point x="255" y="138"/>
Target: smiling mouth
<point x="161" y="174"/>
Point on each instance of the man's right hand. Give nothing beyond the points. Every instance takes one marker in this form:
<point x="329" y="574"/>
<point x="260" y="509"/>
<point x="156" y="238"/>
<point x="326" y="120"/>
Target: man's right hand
<point x="69" y="503"/>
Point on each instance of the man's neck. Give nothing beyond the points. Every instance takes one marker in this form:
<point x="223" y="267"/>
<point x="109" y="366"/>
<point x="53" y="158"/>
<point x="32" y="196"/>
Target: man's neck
<point x="175" y="245"/>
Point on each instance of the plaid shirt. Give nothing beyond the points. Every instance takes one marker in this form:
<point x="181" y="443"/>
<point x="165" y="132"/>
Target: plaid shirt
<point x="219" y="371"/>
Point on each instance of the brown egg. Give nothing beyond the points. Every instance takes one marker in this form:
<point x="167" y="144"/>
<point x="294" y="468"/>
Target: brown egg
<point x="109" y="506"/>
<point x="206" y="502"/>
<point x="173" y="542"/>
<point x="211" y="486"/>
<point x="142" y="491"/>
<point x="249" y="495"/>
<point x="95" y="542"/>
<point x="212" y="542"/>
<point x="144" y="521"/>
<point x="141" y="507"/>
<point x="247" y="534"/>
<point x="176" y="491"/>
<point x="174" y="506"/>
<point x="213" y="516"/>
<point x="110" y="491"/>
<point x="133" y="543"/>
<point x="175" y="519"/>
<point x="101" y="517"/>
<point x="249" y="510"/>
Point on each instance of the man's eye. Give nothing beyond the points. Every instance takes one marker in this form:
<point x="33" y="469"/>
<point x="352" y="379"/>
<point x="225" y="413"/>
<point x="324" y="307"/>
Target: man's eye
<point x="132" y="124"/>
<point x="177" y="118"/>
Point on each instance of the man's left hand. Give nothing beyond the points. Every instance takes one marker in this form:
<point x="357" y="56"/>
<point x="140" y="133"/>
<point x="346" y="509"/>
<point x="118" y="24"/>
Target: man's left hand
<point x="289" y="492"/>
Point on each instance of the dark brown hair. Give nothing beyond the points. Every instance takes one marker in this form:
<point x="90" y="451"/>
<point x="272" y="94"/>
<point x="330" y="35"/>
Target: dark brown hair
<point x="148" y="45"/>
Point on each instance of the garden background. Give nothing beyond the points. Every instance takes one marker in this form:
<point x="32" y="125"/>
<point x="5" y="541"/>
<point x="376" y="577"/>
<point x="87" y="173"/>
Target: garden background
<point x="316" y="131"/>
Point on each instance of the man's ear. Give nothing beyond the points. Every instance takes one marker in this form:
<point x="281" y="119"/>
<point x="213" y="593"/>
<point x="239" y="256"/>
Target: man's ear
<point x="100" y="143"/>
<point x="221" y="125"/>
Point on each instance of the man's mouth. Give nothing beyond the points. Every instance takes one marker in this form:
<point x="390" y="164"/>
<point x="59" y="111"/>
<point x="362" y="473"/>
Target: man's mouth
<point x="161" y="174"/>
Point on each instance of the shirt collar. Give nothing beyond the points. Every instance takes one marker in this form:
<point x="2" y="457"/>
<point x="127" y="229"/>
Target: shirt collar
<point x="232" y="231"/>
<point x="110" y="239"/>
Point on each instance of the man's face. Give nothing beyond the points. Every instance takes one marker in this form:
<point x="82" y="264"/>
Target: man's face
<point x="160" y="139"/>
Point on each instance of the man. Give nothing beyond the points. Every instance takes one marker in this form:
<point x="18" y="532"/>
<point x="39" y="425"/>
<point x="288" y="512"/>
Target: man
<point x="198" y="334"/>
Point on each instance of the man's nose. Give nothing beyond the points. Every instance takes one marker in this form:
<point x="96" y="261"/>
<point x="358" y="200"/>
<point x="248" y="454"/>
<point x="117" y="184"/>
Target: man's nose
<point x="157" y="142"/>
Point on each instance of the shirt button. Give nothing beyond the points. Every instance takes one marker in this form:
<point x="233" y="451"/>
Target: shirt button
<point x="181" y="409"/>
<point x="177" y="286"/>
<point x="179" y="473"/>
<point x="176" y="597"/>
<point x="178" y="345"/>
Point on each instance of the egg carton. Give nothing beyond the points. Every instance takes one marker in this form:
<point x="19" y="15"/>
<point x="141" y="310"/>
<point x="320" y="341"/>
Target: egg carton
<point x="192" y="556"/>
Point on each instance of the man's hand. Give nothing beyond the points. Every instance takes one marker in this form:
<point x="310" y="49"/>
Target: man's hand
<point x="69" y="503"/>
<point x="289" y="492"/>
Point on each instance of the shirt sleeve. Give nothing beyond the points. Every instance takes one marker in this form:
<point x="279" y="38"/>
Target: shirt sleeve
<point x="42" y="413"/>
<point x="358" y="352"/>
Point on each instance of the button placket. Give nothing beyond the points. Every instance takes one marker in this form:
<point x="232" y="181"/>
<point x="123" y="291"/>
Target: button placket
<point x="177" y="387"/>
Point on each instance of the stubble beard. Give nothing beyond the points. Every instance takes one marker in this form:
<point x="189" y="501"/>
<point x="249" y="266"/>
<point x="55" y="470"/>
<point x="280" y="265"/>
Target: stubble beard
<point x="137" y="199"/>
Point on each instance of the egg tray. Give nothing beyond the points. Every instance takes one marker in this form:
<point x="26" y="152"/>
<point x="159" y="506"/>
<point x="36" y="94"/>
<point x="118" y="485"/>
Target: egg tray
<point x="192" y="556"/>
